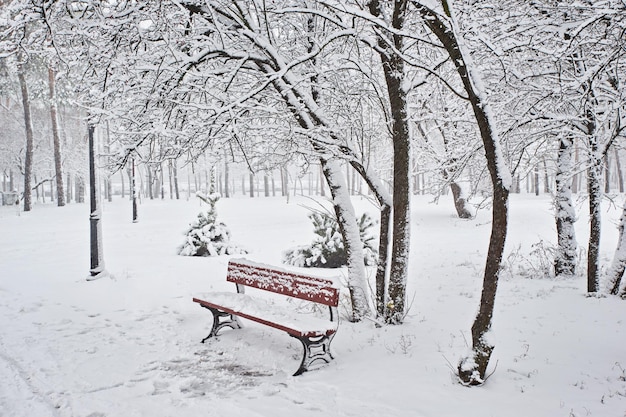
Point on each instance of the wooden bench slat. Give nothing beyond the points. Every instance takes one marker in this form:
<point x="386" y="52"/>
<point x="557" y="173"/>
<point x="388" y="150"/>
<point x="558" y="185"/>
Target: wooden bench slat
<point x="263" y="312"/>
<point x="305" y="287"/>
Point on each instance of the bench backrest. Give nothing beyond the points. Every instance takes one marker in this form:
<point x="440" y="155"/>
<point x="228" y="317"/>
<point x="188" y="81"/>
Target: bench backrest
<point x="264" y="277"/>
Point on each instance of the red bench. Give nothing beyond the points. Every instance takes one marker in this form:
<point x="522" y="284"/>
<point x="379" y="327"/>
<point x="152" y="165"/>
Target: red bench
<point x="315" y="333"/>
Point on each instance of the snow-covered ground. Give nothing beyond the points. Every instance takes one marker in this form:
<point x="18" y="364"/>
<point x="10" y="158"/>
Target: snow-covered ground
<point x="129" y="345"/>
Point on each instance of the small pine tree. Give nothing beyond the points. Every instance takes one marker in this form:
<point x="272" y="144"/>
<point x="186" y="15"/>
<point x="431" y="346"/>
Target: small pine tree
<point x="327" y="250"/>
<point x="207" y="236"/>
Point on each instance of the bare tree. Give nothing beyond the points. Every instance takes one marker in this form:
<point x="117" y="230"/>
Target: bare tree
<point x="472" y="369"/>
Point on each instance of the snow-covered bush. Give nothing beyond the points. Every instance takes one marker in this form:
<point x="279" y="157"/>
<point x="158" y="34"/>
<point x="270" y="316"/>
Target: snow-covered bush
<point x="327" y="249"/>
<point x="207" y="236"/>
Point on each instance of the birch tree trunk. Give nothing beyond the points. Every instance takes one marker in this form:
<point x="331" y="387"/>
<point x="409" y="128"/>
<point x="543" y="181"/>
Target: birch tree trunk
<point x="565" y="214"/>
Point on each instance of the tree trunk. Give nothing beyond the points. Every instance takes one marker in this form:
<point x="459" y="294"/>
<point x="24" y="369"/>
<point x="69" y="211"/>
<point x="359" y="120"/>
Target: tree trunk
<point x="28" y="126"/>
<point x="226" y="176"/>
<point x="123" y="185"/>
<point x="251" y="177"/>
<point x="273" y="185"/>
<point x="393" y="69"/>
<point x="620" y="174"/>
<point x="472" y="368"/>
<point x="460" y="202"/>
<point x="169" y="179"/>
<point x="565" y="214"/>
<point x="346" y="219"/>
<point x="595" y="198"/>
<point x="80" y="189"/>
<point x="607" y="173"/>
<point x="133" y="190"/>
<point x="55" y="138"/>
<point x="546" y="179"/>
<point x="575" y="179"/>
<point x="283" y="182"/>
<point x="149" y="180"/>
<point x="109" y="181"/>
<point x="68" y="188"/>
<point x="322" y="188"/>
<point x="162" y="184"/>
<point x="175" y="169"/>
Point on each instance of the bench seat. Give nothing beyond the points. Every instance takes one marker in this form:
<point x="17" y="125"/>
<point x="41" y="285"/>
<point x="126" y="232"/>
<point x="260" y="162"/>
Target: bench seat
<point x="265" y="312"/>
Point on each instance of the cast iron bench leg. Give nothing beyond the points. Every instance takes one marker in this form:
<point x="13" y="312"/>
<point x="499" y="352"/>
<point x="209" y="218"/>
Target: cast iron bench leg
<point x="229" y="320"/>
<point x="315" y="348"/>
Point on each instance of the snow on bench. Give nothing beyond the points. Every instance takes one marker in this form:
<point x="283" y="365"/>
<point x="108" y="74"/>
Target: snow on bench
<point x="314" y="333"/>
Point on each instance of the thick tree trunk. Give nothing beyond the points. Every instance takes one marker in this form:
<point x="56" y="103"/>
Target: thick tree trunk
<point x="28" y="126"/>
<point x="565" y="215"/>
<point x="55" y="138"/>
<point x="346" y="220"/>
<point x="393" y="69"/>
